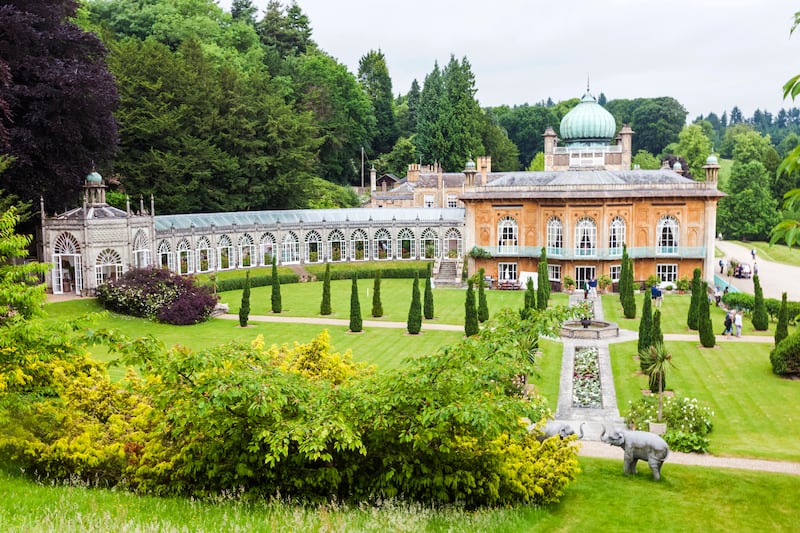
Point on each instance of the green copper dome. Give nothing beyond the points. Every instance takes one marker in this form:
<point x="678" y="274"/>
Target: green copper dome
<point x="588" y="122"/>
<point x="94" y="177"/>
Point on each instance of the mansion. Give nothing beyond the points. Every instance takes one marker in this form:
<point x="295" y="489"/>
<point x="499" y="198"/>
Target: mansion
<point x="581" y="209"/>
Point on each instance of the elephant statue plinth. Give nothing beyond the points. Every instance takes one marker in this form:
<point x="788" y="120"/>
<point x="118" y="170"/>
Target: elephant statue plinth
<point x="639" y="445"/>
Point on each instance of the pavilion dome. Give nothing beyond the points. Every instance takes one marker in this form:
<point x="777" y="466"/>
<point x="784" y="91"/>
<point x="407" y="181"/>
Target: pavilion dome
<point x="588" y="122"/>
<point x="94" y="177"/>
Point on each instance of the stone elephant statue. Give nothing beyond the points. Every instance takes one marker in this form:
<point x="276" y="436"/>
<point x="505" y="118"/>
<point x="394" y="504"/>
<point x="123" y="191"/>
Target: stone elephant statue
<point x="639" y="445"/>
<point x="552" y="428"/>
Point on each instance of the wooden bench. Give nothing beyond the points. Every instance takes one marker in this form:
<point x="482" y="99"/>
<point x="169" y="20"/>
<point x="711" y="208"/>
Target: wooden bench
<point x="508" y="285"/>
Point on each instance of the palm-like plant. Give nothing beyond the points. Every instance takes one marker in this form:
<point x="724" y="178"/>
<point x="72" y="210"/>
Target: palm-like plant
<point x="657" y="358"/>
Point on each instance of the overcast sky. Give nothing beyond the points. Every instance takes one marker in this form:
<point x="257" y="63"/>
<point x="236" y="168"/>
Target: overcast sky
<point x="708" y="54"/>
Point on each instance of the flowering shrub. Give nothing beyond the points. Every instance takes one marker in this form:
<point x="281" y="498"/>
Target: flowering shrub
<point x="586" y="379"/>
<point x="688" y="422"/>
<point x="158" y="294"/>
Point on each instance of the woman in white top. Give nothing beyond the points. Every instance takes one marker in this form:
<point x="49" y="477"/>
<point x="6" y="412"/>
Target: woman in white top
<point x="737" y="321"/>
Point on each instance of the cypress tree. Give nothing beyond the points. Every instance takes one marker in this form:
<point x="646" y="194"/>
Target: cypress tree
<point x="628" y="300"/>
<point x="692" y="320"/>
<point x="543" y="290"/>
<point x="645" y="328"/>
<point x="377" y="306"/>
<point x="782" y="329"/>
<point x="623" y="277"/>
<point x="530" y="295"/>
<point x="244" y="309"/>
<point x="657" y="337"/>
<point x="276" y="287"/>
<point x="707" y="338"/>
<point x="325" y="306"/>
<point x="471" y="316"/>
<point x="760" y="316"/>
<point x="428" y="305"/>
<point x="483" y="307"/>
<point x="415" y="311"/>
<point x="355" y="307"/>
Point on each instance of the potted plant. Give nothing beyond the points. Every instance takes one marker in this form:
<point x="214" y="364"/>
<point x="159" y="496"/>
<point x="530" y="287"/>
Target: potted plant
<point x="569" y="283"/>
<point x="604" y="282"/>
<point x="656" y="358"/>
<point x="683" y="285"/>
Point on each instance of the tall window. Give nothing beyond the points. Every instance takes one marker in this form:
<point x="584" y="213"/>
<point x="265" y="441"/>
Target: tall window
<point x="555" y="237"/>
<point x="359" y="245"/>
<point x="313" y="247"/>
<point x="266" y="248"/>
<point x="225" y="252"/>
<point x="614" y="272"/>
<point x="667" y="273"/>
<point x="507" y="235"/>
<point x="452" y="242"/>
<point x="337" y="246"/>
<point x="585" y="237"/>
<point x="141" y="250"/>
<point x="507" y="271"/>
<point x="667" y="232"/>
<point x="383" y="244"/>
<point x="108" y="266"/>
<point x="185" y="257"/>
<point x="616" y="236"/>
<point x="204" y="255"/>
<point x="247" y="251"/>
<point x="554" y="272"/>
<point x="405" y="244"/>
<point x="165" y="257"/>
<point x="290" y="249"/>
<point x="430" y="243"/>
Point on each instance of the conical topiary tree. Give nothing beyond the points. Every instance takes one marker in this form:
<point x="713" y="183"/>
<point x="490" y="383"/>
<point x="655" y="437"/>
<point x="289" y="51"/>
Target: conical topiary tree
<point x="657" y="336"/>
<point x="471" y="315"/>
<point x="760" y="315"/>
<point x="427" y="307"/>
<point x="530" y="295"/>
<point x="325" y="306"/>
<point x="483" y="307"/>
<point x="244" y="309"/>
<point x="706" y="329"/>
<point x="623" y="277"/>
<point x="377" y="306"/>
<point x="355" y="307"/>
<point x="628" y="299"/>
<point x="645" y="329"/>
<point x="415" y="310"/>
<point x="692" y="319"/>
<point x="276" y="287"/>
<point x="543" y="290"/>
<point x="782" y="329"/>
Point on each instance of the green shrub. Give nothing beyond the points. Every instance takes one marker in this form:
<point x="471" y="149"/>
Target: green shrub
<point x="739" y="300"/>
<point x="377" y="305"/>
<point x="414" y="323"/>
<point x="645" y="327"/>
<point x="470" y="314"/>
<point x="704" y="325"/>
<point x="427" y="307"/>
<point x="693" y="317"/>
<point x="760" y="317"/>
<point x="782" y="329"/>
<point x="785" y="358"/>
<point x="276" y="288"/>
<point x="244" y="308"/>
<point x="355" y="308"/>
<point x="325" y="305"/>
<point x="237" y="284"/>
<point x="483" y="306"/>
<point x="688" y="422"/>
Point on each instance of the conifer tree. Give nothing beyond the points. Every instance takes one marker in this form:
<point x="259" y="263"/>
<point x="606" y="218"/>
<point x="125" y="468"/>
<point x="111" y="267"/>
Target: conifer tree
<point x="483" y="306"/>
<point x="543" y="290"/>
<point x="645" y="328"/>
<point x="244" y="308"/>
<point x="692" y="320"/>
<point x="760" y="315"/>
<point x="471" y="316"/>
<point x="355" y="307"/>
<point x="707" y="338"/>
<point x="276" y="287"/>
<point x="530" y="295"/>
<point x="428" y="305"/>
<point x="628" y="300"/>
<point x="782" y="329"/>
<point x="377" y="306"/>
<point x="415" y="310"/>
<point x="657" y="337"/>
<point x="623" y="274"/>
<point x="325" y="306"/>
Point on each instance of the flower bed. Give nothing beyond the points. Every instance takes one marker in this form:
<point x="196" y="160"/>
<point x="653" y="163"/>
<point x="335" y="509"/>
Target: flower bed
<point x="586" y="379"/>
<point x="688" y="421"/>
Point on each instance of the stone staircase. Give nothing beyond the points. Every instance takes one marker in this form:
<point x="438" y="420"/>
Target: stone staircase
<point x="447" y="273"/>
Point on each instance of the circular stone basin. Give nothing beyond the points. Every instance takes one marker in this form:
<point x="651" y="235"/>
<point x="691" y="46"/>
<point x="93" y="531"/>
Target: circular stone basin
<point x="595" y="329"/>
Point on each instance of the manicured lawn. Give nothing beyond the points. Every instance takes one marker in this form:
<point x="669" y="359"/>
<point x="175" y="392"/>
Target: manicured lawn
<point x="602" y="499"/>
<point x="756" y="411"/>
<point x="780" y="253"/>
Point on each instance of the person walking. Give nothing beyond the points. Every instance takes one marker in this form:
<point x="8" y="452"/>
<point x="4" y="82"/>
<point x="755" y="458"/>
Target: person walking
<point x="728" y="324"/>
<point x="753" y="253"/>
<point x="737" y="321"/>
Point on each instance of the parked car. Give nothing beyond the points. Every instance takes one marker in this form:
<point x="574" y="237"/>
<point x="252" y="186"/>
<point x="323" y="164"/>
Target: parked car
<point x="743" y="270"/>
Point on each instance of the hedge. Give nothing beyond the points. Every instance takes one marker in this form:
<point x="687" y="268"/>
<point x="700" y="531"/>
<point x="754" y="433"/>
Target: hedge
<point x="237" y="284"/>
<point x="746" y="302"/>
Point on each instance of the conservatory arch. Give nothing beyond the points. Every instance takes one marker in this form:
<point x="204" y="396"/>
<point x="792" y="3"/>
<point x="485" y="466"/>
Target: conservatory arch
<point x="165" y="257"/>
<point x="429" y="241"/>
<point x="204" y="255"/>
<point x="337" y="246"/>
<point x="247" y="251"/>
<point x="225" y="253"/>
<point x="266" y="248"/>
<point x="383" y="244"/>
<point x="185" y="257"/>
<point x="359" y="245"/>
<point x="141" y="250"/>
<point x="453" y="243"/>
<point x="313" y="251"/>
<point x="406" y="244"/>
<point x="108" y="267"/>
<point x="667" y="234"/>
<point x="67" y="270"/>
<point x="290" y="248"/>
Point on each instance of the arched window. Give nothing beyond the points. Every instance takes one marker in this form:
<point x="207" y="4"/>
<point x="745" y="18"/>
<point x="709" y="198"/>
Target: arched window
<point x="406" y="244"/>
<point x="337" y="246"/>
<point x="667" y="233"/>
<point x="453" y="243"/>
<point x="555" y="237"/>
<point x="247" y="251"/>
<point x="585" y="237"/>
<point x="204" y="255"/>
<point x="290" y="249"/>
<point x="314" y="247"/>
<point x="430" y="243"/>
<point x="266" y="248"/>
<point x="616" y="236"/>
<point x="141" y="250"/>
<point x="507" y="236"/>
<point x="225" y="253"/>
<point x="67" y="269"/>
<point x="165" y="257"/>
<point x="383" y="244"/>
<point x="108" y="266"/>
<point x="359" y="245"/>
<point x="185" y="257"/>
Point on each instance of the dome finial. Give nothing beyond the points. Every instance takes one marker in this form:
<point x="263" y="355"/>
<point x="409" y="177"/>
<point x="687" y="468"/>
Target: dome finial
<point x="587" y="83"/>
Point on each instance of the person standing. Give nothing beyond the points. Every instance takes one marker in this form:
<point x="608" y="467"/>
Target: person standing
<point x="753" y="253"/>
<point x="737" y="321"/>
<point x="728" y="323"/>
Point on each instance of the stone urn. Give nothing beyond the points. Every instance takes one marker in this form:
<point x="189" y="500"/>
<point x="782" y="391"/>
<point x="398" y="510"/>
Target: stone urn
<point x="659" y="428"/>
<point x="585" y="321"/>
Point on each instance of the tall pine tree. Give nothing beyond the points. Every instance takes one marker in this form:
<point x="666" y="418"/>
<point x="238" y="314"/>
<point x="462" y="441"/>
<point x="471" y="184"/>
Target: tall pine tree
<point x="355" y="307"/>
<point x="276" y="287"/>
<point x="530" y="295"/>
<point x="693" y="318"/>
<point x="470" y="314"/>
<point x="325" y="306"/>
<point x="483" y="306"/>
<point x="428" y="305"/>
<point x="628" y="300"/>
<point x="657" y="336"/>
<point x="645" y="328"/>
<point x="244" y="308"/>
<point x="707" y="338"/>
<point x="782" y="329"/>
<point x="373" y="75"/>
<point x="415" y="310"/>
<point x="760" y="315"/>
<point x="543" y="289"/>
<point x="377" y="305"/>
